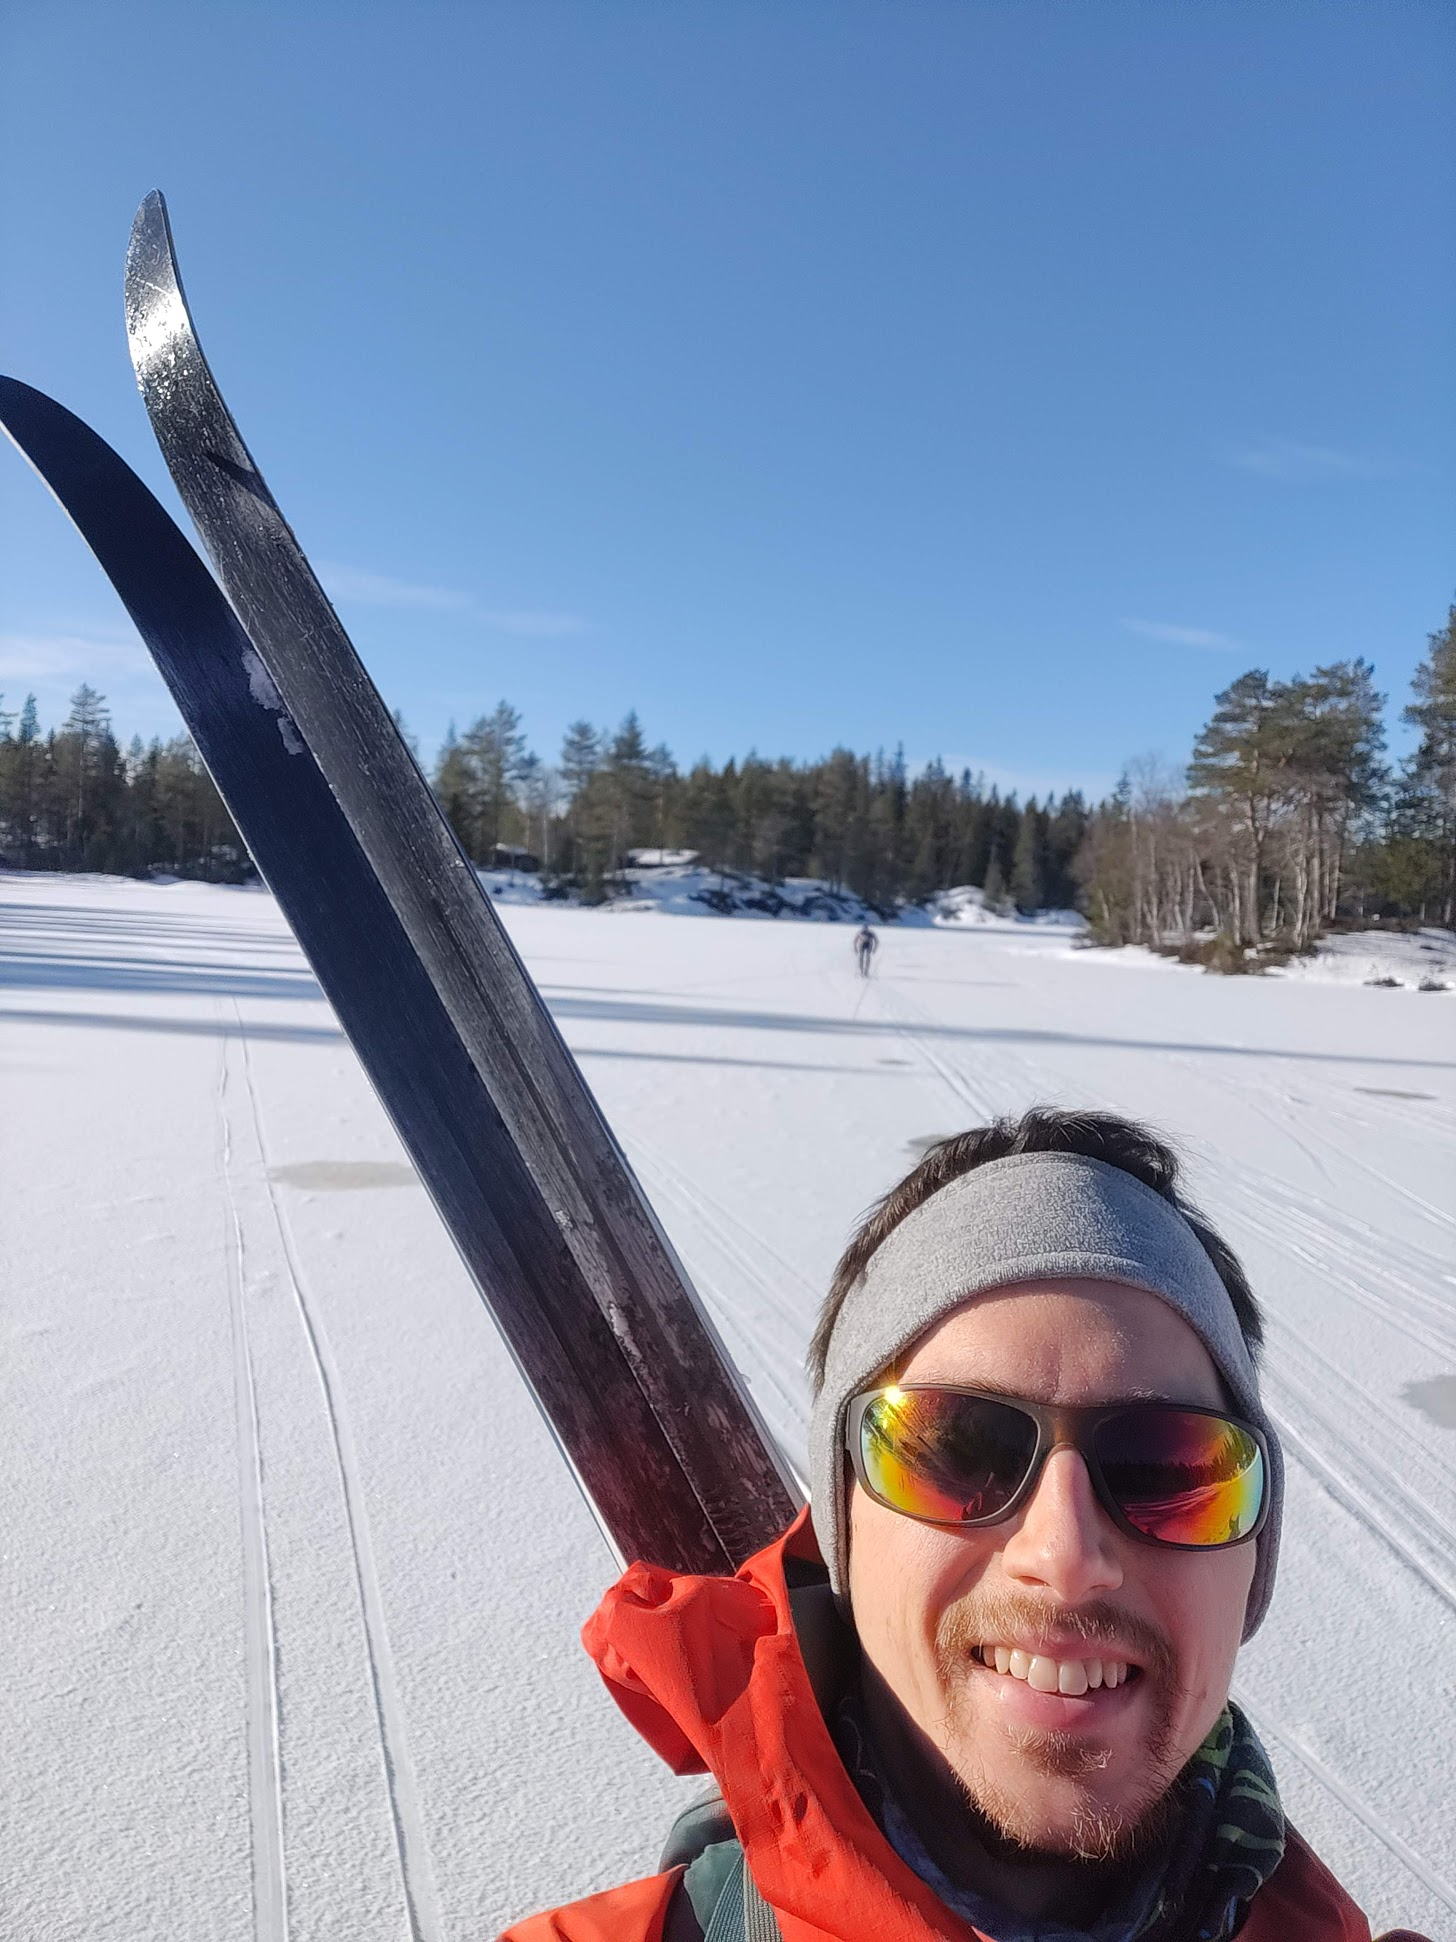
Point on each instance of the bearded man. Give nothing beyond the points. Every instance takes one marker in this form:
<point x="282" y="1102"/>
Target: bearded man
<point x="983" y="1689"/>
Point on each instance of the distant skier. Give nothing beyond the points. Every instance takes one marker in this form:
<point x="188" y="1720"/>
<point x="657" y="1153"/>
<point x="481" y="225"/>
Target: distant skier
<point x="865" y="946"/>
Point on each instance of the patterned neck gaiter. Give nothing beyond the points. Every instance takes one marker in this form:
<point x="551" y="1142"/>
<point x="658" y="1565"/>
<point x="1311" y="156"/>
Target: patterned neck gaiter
<point x="1228" y="1840"/>
<point x="1231" y="1840"/>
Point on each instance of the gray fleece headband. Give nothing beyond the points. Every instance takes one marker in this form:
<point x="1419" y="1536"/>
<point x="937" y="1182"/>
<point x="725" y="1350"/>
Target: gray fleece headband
<point x="1033" y="1217"/>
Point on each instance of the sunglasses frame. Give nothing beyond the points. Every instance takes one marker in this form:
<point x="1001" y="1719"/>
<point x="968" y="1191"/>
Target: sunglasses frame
<point x="1057" y="1428"/>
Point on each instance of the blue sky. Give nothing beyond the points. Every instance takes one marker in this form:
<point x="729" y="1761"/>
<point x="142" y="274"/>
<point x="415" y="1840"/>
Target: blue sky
<point x="996" y="379"/>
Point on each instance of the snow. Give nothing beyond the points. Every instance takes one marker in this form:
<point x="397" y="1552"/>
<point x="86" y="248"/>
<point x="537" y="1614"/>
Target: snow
<point x="1409" y="960"/>
<point x="955" y="909"/>
<point x="271" y="1473"/>
<point x="672" y="883"/>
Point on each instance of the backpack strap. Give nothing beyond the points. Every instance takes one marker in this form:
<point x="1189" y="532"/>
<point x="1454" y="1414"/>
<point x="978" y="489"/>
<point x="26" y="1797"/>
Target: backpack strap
<point x="760" y="1924"/>
<point x="717" y="1899"/>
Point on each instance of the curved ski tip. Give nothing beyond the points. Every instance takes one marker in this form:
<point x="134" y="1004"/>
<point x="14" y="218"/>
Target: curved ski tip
<point x="156" y="309"/>
<point x="151" y="223"/>
<point x="15" y="395"/>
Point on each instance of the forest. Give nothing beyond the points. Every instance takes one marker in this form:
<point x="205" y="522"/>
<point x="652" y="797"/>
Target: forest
<point x="1286" y="819"/>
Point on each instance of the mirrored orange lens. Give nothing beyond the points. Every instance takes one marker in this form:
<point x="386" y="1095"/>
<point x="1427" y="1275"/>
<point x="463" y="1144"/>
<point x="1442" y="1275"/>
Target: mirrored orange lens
<point x="949" y="1459"/>
<point x="1182" y="1478"/>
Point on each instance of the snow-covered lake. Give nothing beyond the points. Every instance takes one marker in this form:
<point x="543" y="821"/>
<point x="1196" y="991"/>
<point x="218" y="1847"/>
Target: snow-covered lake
<point x="271" y="1479"/>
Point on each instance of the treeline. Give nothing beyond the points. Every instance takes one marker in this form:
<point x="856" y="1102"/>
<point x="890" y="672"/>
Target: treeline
<point x="859" y="822"/>
<point x="1288" y="818"/>
<point x="72" y="799"/>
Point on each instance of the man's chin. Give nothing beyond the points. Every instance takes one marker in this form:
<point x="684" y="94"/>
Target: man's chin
<point x="1057" y="1801"/>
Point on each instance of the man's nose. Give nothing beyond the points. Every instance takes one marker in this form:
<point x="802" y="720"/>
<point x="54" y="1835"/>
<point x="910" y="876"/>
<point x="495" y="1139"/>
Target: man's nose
<point x="1063" y="1539"/>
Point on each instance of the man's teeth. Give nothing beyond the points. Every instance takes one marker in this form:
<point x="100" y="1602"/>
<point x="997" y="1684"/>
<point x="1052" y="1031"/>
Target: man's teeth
<point x="1071" y="1676"/>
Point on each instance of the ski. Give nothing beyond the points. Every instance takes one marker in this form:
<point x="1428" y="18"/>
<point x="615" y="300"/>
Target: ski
<point x="493" y="1110"/>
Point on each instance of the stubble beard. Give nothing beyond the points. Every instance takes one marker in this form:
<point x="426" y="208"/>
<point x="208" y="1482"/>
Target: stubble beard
<point x="1079" y="1820"/>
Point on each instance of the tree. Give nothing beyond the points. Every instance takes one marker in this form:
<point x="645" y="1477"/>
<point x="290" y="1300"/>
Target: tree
<point x="581" y="757"/>
<point x="1066" y="829"/>
<point x="633" y="774"/>
<point x="19" y="781"/>
<point x="1430" y="779"/>
<point x="1237" y="767"/>
<point x="452" y="786"/>
<point x="539" y="790"/>
<point x="493" y="749"/>
<point x="840" y="789"/>
<point x="1333" y="739"/>
<point x="1028" y="862"/>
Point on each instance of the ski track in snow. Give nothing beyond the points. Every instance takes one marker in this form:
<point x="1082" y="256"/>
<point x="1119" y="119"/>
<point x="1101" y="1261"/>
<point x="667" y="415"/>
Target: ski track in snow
<point x="417" y="1885"/>
<point x="1285" y="1736"/>
<point x="265" y="1779"/>
<point x="761" y="1131"/>
<point x="771" y="1325"/>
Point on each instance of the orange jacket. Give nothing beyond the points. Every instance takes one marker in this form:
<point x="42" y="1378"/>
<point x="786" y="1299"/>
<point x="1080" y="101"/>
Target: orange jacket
<point x="710" y="1672"/>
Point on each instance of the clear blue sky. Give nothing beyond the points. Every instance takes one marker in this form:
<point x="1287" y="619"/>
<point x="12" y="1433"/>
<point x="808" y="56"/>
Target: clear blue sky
<point x="999" y="379"/>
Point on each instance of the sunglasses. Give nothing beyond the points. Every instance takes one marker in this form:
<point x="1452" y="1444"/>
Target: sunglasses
<point x="1166" y="1473"/>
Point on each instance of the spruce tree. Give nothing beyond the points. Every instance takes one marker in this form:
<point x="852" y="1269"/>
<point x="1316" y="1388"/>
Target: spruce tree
<point x="1028" y="875"/>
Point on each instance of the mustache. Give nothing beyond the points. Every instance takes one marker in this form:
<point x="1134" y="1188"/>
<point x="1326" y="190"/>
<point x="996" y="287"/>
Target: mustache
<point x="1098" y="1623"/>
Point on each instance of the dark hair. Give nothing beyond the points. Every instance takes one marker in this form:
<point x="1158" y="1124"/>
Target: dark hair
<point x="1044" y="1129"/>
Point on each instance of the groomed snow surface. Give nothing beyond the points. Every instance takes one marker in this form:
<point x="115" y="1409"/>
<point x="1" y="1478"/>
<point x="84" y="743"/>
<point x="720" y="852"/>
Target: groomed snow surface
<point x="293" y="1573"/>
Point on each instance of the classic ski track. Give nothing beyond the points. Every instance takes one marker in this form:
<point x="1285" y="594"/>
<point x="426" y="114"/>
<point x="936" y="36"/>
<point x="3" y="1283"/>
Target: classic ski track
<point x="1329" y="1248"/>
<point x="1272" y="1104"/>
<point x="1334" y="1461"/>
<point x="674" y="1185"/>
<point x="672" y="1173"/>
<point x="412" y="1852"/>
<point x="887" y="999"/>
<point x="260" y="1641"/>
<point x="1326" y="1379"/>
<point x="1375" y="1113"/>
<point x="1270" y="1728"/>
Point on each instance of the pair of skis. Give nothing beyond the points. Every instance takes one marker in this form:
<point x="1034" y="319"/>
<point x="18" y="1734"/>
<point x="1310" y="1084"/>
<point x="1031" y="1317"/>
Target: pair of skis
<point x="492" y="1108"/>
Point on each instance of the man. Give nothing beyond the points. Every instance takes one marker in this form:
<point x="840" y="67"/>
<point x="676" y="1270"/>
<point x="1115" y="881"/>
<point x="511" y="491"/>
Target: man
<point x="985" y="1691"/>
<point x="865" y="946"/>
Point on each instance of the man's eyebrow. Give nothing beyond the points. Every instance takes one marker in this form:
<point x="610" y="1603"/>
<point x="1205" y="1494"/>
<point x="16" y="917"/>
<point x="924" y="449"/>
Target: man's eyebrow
<point x="1000" y="1390"/>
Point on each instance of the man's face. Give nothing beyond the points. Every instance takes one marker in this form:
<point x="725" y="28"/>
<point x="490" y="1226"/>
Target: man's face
<point x="1058" y="1580"/>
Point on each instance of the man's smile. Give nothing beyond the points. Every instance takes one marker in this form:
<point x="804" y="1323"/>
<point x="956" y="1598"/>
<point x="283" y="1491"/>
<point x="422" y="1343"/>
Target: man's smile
<point x="1047" y="1672"/>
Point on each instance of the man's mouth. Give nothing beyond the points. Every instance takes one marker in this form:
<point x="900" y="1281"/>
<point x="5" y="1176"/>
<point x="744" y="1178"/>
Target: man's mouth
<point x="1045" y="1674"/>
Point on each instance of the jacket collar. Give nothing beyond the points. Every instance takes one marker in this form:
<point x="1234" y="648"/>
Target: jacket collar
<point x="711" y="1673"/>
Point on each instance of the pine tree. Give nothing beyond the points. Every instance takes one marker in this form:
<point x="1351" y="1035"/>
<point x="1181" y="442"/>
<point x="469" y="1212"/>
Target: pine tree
<point x="1238" y="765"/>
<point x="1431" y="773"/>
